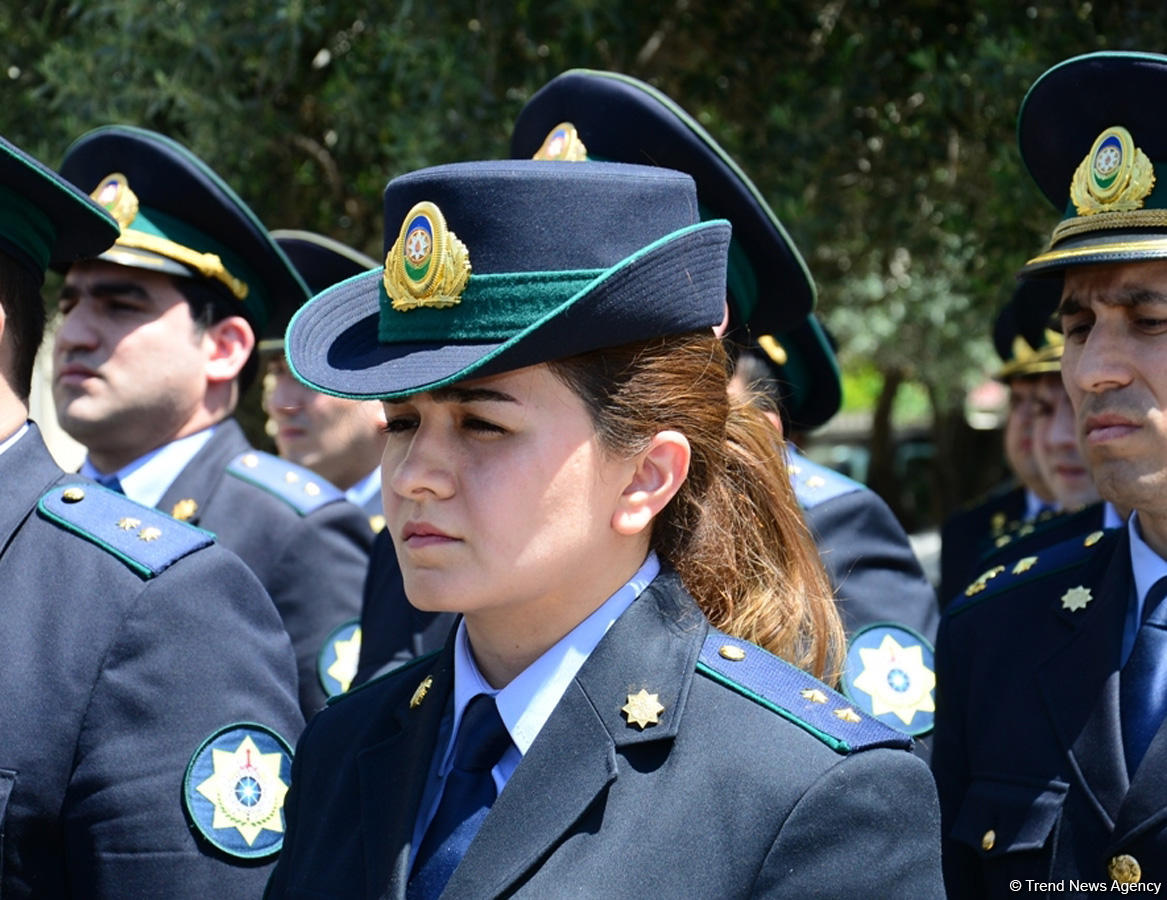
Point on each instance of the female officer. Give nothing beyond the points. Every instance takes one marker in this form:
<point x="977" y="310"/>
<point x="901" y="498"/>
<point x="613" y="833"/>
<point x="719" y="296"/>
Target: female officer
<point x="564" y="470"/>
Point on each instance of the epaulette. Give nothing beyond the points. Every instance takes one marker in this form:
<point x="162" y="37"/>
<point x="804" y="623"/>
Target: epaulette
<point x="418" y="695"/>
<point x="814" y="483"/>
<point x="793" y="694"/>
<point x="1006" y="576"/>
<point x="145" y="539"/>
<point x="301" y="488"/>
<point x="1021" y="528"/>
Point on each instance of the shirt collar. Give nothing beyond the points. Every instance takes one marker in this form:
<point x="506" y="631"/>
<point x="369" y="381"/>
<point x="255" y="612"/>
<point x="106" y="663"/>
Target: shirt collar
<point x="1034" y="505"/>
<point x="9" y="441"/>
<point x="148" y="477"/>
<point x="362" y="492"/>
<point x="1147" y="565"/>
<point x="528" y="701"/>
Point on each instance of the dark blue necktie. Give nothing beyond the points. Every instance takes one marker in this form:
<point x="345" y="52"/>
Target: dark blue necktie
<point x="111" y="482"/>
<point x="1143" y="686"/>
<point x="468" y="795"/>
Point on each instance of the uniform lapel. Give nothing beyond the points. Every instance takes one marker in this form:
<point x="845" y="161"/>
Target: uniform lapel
<point x="1080" y="681"/>
<point x="393" y="775"/>
<point x="654" y="647"/>
<point x="201" y="476"/>
<point x="26" y="472"/>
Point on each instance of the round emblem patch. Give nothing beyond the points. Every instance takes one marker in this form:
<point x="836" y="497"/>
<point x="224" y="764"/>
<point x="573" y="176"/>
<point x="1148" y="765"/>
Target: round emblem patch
<point x="419" y="247"/>
<point x="890" y="673"/>
<point x="234" y="790"/>
<point x="1111" y="161"/>
<point x="337" y="663"/>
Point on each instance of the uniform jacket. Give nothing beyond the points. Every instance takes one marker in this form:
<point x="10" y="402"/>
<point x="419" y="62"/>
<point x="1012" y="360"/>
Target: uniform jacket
<point x="725" y="797"/>
<point x="393" y="631"/>
<point x="312" y="563"/>
<point x="967" y="534"/>
<point x="111" y="680"/>
<point x="1027" y="751"/>
<point x="868" y="559"/>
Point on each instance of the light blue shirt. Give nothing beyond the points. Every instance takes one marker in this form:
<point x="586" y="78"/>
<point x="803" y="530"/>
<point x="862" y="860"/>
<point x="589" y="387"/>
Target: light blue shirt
<point x="365" y="489"/>
<point x="1034" y="505"/>
<point x="8" y="442"/>
<point x="527" y="702"/>
<point x="1147" y="567"/>
<point x="148" y="477"/>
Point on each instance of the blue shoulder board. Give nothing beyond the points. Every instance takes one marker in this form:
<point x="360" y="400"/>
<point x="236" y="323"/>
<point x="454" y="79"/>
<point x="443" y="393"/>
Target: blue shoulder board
<point x="1041" y="564"/>
<point x="302" y="489"/>
<point x="814" y="483"/>
<point x="145" y="539"/>
<point x="794" y="694"/>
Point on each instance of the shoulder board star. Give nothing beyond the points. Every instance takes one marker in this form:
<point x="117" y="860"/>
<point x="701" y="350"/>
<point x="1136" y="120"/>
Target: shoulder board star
<point x="300" y="488"/>
<point x="794" y="695"/>
<point x="814" y="483"/>
<point x="145" y="539"/>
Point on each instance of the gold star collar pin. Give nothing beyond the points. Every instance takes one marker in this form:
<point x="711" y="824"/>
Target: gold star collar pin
<point x="643" y="709"/>
<point x="1076" y="598"/>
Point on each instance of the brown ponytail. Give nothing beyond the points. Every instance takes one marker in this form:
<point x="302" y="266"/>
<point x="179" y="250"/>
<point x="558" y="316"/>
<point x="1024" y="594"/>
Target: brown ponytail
<point x="734" y="531"/>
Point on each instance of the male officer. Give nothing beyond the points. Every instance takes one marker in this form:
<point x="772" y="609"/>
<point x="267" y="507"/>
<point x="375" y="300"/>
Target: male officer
<point x="156" y="346"/>
<point x="149" y="689"/>
<point x="337" y="438"/>
<point x="873" y="570"/>
<point x="969" y="533"/>
<point x="1050" y="750"/>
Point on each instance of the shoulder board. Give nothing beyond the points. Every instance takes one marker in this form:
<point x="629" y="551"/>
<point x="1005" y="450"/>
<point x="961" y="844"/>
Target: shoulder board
<point x="404" y="667"/>
<point x="145" y="539"/>
<point x="1043" y="563"/>
<point x="814" y="483"/>
<point x="301" y="488"/>
<point x="1046" y="521"/>
<point x="794" y="694"/>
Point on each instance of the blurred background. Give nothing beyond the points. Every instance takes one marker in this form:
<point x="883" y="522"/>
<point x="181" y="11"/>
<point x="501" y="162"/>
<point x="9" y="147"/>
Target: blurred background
<point x="881" y="133"/>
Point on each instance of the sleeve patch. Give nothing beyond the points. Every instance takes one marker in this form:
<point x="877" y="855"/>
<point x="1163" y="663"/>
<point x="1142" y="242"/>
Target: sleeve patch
<point x="890" y="672"/>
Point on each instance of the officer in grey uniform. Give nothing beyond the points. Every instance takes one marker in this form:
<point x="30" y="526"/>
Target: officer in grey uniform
<point x="155" y="347"/>
<point x="149" y="687"/>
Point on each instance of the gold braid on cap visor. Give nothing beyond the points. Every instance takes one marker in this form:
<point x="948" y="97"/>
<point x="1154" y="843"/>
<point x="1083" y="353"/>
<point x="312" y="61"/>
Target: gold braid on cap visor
<point x="209" y="265"/>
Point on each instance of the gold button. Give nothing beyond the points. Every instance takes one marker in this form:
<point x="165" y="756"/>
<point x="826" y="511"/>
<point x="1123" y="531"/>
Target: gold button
<point x="732" y="653"/>
<point x="73" y="495"/>
<point x="1125" y="869"/>
<point x="250" y="460"/>
<point x="989" y="840"/>
<point x="312" y="489"/>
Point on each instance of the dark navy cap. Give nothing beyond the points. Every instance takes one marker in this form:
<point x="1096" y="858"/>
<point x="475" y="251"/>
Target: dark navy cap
<point x="321" y="262"/>
<point x="1022" y="332"/>
<point x="802" y="362"/>
<point x="1092" y="136"/>
<point x="586" y="114"/>
<point x="492" y="266"/>
<point x="44" y="220"/>
<point x="178" y="216"/>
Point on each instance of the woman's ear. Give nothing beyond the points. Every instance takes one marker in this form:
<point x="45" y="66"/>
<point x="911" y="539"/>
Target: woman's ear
<point x="660" y="471"/>
<point x="231" y="341"/>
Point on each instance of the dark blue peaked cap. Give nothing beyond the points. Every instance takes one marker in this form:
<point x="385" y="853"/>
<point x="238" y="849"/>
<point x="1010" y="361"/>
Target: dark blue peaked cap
<point x="178" y="216"/>
<point x="1093" y="136"/>
<point x="44" y="220"/>
<point x="321" y="262"/>
<point x="802" y="362"/>
<point x="621" y="119"/>
<point x="492" y="266"/>
<point x="1021" y="330"/>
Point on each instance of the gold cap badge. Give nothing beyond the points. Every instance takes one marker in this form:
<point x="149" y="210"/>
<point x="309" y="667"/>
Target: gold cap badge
<point x="113" y="192"/>
<point x="1115" y="176"/>
<point x="562" y="144"/>
<point x="427" y="264"/>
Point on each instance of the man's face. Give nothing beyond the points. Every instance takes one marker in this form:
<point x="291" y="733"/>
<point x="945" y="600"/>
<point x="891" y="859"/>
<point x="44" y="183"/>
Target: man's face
<point x="1115" y="370"/>
<point x="337" y="438"/>
<point x="1055" y="446"/>
<point x="1019" y="436"/>
<point x="129" y="362"/>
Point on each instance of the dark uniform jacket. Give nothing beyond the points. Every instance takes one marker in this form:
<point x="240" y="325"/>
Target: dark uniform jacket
<point x="868" y="559"/>
<point x="966" y="535"/>
<point x="725" y="797"/>
<point x="1028" y="752"/>
<point x="309" y="548"/>
<point x="114" y="673"/>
